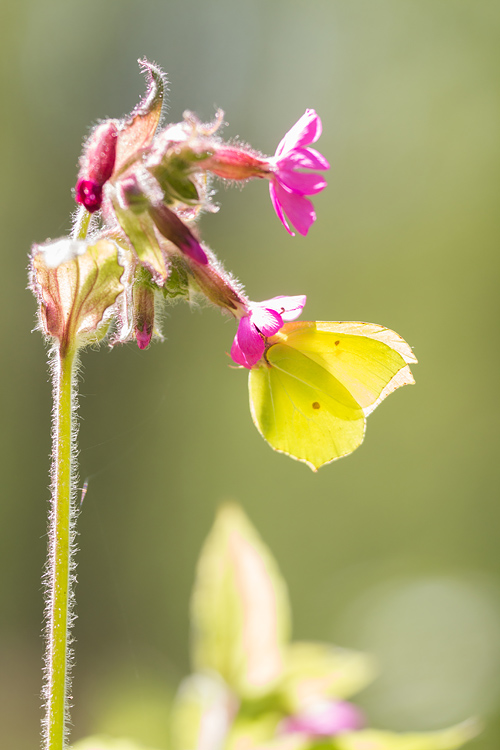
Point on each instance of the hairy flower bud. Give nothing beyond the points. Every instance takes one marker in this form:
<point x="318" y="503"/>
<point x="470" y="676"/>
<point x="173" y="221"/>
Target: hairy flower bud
<point x="97" y="165"/>
<point x="177" y="232"/>
<point x="144" y="314"/>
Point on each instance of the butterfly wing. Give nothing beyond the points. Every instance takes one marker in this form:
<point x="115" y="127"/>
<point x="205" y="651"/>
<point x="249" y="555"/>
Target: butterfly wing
<point x="369" y="360"/>
<point x="302" y="410"/>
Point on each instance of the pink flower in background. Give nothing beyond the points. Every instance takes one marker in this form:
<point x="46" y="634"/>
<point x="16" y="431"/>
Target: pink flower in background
<point x="263" y="319"/>
<point x="288" y="186"/>
<point x="326" y="719"/>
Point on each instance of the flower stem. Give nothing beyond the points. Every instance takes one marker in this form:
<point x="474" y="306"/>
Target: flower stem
<point x="61" y="542"/>
<point x="81" y="225"/>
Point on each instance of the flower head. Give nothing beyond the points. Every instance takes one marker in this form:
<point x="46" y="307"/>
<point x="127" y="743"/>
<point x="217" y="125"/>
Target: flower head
<point x="289" y="186"/>
<point x="263" y="319"/>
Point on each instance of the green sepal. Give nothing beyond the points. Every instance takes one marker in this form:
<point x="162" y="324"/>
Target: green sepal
<point x="140" y="231"/>
<point x="240" y="608"/>
<point x="177" y="283"/>
<point x="317" y="672"/>
<point x="175" y="182"/>
<point x="75" y="295"/>
<point x="139" y="129"/>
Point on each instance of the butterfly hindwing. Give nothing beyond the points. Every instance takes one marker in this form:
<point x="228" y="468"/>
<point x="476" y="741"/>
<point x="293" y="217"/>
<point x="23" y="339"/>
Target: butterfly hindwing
<point x="302" y="410"/>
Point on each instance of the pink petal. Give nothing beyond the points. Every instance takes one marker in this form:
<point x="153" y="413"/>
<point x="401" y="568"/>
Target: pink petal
<point x="306" y="158"/>
<point x="266" y="320"/>
<point x="305" y="131"/>
<point x="277" y="208"/>
<point x="288" y="307"/>
<point x="299" y="209"/>
<point x="301" y="183"/>
<point x="248" y="345"/>
<point x="237" y="355"/>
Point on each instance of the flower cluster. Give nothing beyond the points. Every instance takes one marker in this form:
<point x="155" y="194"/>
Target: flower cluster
<point x="142" y="186"/>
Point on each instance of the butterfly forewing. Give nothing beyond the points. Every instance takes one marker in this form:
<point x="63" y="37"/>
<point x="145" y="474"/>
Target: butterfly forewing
<point x="364" y="364"/>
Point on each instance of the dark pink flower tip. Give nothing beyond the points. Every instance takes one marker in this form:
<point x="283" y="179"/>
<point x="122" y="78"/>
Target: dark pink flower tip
<point x="264" y="319"/>
<point x="325" y="720"/>
<point x="288" y="185"/>
<point x="143" y="336"/>
<point x="89" y="194"/>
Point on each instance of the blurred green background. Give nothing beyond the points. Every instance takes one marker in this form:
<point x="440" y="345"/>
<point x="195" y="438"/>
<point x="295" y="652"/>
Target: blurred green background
<point x="394" y="549"/>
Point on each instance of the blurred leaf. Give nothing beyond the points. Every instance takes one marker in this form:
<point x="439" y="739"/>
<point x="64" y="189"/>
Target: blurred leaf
<point x="371" y="739"/>
<point x="202" y="713"/>
<point x="253" y="732"/>
<point x="107" y="743"/>
<point x="240" y="609"/>
<point x="315" y="671"/>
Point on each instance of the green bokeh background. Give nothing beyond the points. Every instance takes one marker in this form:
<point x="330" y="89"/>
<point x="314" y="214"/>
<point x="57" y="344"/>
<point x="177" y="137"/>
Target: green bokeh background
<point x="394" y="549"/>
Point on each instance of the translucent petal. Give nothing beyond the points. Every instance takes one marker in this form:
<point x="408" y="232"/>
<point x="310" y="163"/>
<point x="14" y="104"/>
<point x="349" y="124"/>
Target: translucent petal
<point x="305" y="131"/>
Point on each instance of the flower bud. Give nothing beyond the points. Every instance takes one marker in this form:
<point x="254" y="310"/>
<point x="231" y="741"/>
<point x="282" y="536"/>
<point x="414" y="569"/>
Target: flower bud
<point x="97" y="165"/>
<point x="144" y="314"/>
<point x="174" y="230"/>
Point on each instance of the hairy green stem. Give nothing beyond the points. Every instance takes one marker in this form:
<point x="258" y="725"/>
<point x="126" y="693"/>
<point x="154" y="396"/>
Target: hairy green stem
<point x="61" y="542"/>
<point x="60" y="548"/>
<point x="82" y="223"/>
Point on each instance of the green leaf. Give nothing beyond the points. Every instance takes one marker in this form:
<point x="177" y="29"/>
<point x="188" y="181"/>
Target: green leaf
<point x="372" y="739"/>
<point x="317" y="383"/>
<point x="107" y="743"/>
<point x="317" y="671"/>
<point x="240" y="609"/>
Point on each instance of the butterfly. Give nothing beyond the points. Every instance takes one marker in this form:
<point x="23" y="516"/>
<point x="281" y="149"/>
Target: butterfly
<point x="317" y="382"/>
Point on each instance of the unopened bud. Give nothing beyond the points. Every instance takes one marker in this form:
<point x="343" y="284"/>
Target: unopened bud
<point x="174" y="230"/>
<point x="144" y="314"/>
<point x="97" y="165"/>
<point x="232" y="163"/>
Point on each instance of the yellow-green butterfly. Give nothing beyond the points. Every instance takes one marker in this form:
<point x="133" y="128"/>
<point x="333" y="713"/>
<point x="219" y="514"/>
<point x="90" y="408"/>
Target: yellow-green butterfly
<point x="317" y="382"/>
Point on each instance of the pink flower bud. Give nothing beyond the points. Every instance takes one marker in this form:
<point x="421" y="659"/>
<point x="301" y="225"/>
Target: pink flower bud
<point x="174" y="230"/>
<point x="97" y="165"/>
<point x="233" y="163"/>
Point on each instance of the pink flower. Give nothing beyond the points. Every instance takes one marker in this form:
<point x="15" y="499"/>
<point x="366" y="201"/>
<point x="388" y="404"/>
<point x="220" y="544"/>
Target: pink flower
<point x="288" y="186"/>
<point x="325" y="720"/>
<point x="263" y="319"/>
